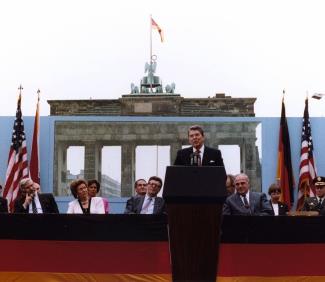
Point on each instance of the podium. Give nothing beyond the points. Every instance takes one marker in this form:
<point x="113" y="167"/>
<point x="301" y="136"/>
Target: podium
<point x="194" y="197"/>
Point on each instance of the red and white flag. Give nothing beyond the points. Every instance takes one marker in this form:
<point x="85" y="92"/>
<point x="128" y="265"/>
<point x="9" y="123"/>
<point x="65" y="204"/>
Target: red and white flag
<point x="156" y="26"/>
<point x="307" y="162"/>
<point x="34" y="159"/>
<point x="17" y="161"/>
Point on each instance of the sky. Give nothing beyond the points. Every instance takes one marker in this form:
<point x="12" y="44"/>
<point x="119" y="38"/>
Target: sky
<point x="81" y="49"/>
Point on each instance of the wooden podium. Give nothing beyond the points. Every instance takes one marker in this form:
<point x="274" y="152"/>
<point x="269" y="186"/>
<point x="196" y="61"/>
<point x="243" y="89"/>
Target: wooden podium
<point x="194" y="198"/>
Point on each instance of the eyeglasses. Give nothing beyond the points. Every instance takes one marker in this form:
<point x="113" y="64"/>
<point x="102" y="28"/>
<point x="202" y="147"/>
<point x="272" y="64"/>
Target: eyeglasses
<point x="277" y="191"/>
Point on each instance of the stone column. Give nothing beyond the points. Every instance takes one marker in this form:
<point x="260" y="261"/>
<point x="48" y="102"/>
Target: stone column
<point x="128" y="169"/>
<point x="92" y="160"/>
<point x="174" y="147"/>
<point x="61" y="184"/>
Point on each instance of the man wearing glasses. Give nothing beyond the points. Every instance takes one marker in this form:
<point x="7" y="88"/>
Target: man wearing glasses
<point x="244" y="201"/>
<point x="317" y="203"/>
<point x="278" y="208"/>
<point x="149" y="203"/>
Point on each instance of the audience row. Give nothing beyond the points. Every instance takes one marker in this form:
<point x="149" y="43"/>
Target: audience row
<point x="240" y="200"/>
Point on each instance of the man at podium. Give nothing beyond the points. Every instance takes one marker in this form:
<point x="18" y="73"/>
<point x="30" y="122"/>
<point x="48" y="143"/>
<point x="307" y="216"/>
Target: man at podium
<point x="198" y="154"/>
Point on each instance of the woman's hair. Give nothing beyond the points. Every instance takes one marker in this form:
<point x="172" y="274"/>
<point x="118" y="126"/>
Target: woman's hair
<point x="74" y="185"/>
<point x="90" y="182"/>
<point x="273" y="187"/>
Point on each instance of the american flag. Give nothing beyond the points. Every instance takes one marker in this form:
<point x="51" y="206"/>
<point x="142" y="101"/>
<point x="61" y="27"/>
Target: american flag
<point x="307" y="163"/>
<point x="17" y="161"/>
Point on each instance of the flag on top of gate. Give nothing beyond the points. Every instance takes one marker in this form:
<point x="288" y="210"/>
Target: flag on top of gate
<point x="284" y="170"/>
<point x="160" y="31"/>
<point x="34" y="165"/>
<point x="17" y="161"/>
<point x="307" y="163"/>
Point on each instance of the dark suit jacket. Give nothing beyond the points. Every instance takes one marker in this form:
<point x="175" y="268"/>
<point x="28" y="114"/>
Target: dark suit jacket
<point x="3" y="205"/>
<point x="283" y="208"/>
<point x="311" y="204"/>
<point x="135" y="205"/>
<point x="129" y="204"/>
<point x="258" y="205"/>
<point x="47" y="201"/>
<point x="211" y="157"/>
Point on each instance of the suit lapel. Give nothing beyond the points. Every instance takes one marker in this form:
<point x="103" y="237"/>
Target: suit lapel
<point x="156" y="205"/>
<point x="139" y="205"/>
<point x="272" y="207"/>
<point x="251" y="201"/>
<point x="42" y="202"/>
<point x="239" y="201"/>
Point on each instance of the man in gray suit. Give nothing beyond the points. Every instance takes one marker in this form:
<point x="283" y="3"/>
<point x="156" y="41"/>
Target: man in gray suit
<point x="148" y="203"/>
<point x="246" y="202"/>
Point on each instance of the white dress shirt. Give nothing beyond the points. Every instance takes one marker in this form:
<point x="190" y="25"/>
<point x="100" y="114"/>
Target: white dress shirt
<point x="247" y="197"/>
<point x="275" y="209"/>
<point x="201" y="152"/>
<point x="150" y="206"/>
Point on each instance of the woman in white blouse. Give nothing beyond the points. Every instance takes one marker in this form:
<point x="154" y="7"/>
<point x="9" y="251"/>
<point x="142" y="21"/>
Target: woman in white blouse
<point x="83" y="204"/>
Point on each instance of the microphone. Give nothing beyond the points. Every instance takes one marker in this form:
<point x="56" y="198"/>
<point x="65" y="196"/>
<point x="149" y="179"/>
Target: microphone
<point x="194" y="160"/>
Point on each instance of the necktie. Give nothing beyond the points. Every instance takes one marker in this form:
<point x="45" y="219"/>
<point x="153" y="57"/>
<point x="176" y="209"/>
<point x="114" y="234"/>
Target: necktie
<point x="198" y="155"/>
<point x="146" y="205"/>
<point x="34" y="208"/>
<point x="245" y="201"/>
<point x="320" y="202"/>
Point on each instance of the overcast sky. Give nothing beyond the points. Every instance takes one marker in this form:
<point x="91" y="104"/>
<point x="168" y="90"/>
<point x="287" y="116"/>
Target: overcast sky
<point x="78" y="49"/>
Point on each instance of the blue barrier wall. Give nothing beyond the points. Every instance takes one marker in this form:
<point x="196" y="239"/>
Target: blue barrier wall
<point x="270" y="131"/>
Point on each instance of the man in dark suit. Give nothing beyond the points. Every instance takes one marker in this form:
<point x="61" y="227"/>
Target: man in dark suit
<point x="198" y="154"/>
<point x="149" y="203"/>
<point x="278" y="208"/>
<point x="30" y="201"/>
<point x="317" y="203"/>
<point x="140" y="188"/>
<point x="246" y="202"/>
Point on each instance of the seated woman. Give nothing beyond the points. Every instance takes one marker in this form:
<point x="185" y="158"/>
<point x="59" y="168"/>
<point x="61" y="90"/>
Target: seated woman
<point x="278" y="207"/>
<point x="83" y="204"/>
<point x="93" y="189"/>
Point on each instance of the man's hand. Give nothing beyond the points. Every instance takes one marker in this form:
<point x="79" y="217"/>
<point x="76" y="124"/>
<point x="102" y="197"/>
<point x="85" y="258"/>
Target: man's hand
<point x="28" y="200"/>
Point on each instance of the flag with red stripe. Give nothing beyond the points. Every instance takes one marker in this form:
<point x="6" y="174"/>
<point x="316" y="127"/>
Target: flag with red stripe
<point x="307" y="162"/>
<point x="284" y="170"/>
<point x="160" y="31"/>
<point x="17" y="161"/>
<point x="34" y="159"/>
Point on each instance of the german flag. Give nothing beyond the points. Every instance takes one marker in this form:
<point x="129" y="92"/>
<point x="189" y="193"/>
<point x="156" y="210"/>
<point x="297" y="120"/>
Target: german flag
<point x="284" y="171"/>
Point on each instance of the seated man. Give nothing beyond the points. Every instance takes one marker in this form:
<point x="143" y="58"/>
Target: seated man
<point x="244" y="201"/>
<point x="278" y="208"/>
<point x="29" y="201"/>
<point x="140" y="188"/>
<point x="149" y="203"/>
<point x="316" y="203"/>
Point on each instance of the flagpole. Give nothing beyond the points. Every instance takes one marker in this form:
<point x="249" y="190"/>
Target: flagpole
<point x="150" y="61"/>
<point x="150" y="39"/>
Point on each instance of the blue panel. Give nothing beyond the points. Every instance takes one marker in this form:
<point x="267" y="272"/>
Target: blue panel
<point x="270" y="131"/>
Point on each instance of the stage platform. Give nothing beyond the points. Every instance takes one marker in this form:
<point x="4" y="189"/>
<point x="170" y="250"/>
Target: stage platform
<point x="135" y="248"/>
